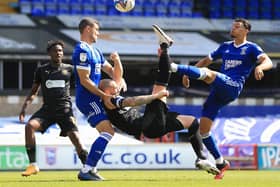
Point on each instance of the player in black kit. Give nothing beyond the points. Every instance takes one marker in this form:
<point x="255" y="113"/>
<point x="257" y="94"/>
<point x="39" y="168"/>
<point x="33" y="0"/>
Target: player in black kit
<point x="54" y="80"/>
<point x="157" y="119"/>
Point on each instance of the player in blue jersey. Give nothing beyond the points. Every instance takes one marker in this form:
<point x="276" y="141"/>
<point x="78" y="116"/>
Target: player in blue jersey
<point x="239" y="58"/>
<point x="88" y="64"/>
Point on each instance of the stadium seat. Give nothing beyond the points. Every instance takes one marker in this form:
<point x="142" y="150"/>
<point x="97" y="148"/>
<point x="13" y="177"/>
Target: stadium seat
<point x="88" y="7"/>
<point x="111" y="11"/>
<point x="38" y="8"/>
<point x="161" y="8"/>
<point x="50" y="8"/>
<point x="101" y="7"/>
<point x="75" y="7"/>
<point x="174" y="8"/>
<point x="149" y="8"/>
<point x="138" y="9"/>
<point x="240" y="9"/>
<point x="215" y="9"/>
<point x="186" y="8"/>
<point x="63" y="7"/>
<point x="25" y="6"/>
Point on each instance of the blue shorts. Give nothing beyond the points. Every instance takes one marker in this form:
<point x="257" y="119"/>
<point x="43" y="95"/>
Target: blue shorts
<point x="223" y="91"/>
<point x="94" y="111"/>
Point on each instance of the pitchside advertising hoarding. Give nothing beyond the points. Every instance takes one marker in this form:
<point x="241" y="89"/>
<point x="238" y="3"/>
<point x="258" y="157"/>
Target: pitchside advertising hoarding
<point x="269" y="157"/>
<point x="146" y="156"/>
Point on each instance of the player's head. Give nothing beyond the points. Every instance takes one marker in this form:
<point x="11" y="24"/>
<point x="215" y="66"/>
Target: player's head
<point x="240" y="28"/>
<point x="55" y="50"/>
<point x="89" y="29"/>
<point x="109" y="86"/>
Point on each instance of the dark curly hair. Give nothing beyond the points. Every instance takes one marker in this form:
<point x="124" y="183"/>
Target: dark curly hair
<point x="52" y="43"/>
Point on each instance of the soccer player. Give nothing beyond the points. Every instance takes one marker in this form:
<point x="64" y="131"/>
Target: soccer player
<point x="88" y="63"/>
<point x="157" y="119"/>
<point x="239" y="58"/>
<point x="54" y="79"/>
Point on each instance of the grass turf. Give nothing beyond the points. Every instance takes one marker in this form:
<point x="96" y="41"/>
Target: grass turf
<point x="143" y="178"/>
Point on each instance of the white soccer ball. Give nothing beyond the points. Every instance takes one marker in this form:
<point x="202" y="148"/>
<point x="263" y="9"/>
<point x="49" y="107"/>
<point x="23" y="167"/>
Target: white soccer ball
<point x="124" y="5"/>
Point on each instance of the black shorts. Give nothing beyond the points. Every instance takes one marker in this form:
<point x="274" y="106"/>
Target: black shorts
<point x="63" y="117"/>
<point x="158" y="120"/>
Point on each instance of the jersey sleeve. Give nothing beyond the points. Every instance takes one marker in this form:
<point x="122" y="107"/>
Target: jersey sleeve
<point x="256" y="51"/>
<point x="82" y="56"/>
<point x="216" y="54"/>
<point x="118" y="101"/>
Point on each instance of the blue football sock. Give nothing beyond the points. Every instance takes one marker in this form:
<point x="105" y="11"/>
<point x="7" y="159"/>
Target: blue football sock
<point x="210" y="144"/>
<point x="192" y="71"/>
<point x="98" y="148"/>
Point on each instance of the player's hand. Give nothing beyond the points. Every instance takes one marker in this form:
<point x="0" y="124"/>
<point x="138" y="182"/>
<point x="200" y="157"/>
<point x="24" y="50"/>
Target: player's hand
<point x="115" y="56"/>
<point x="259" y="73"/>
<point x="21" y="116"/>
<point x="123" y="85"/>
<point x="107" y="101"/>
<point x="186" y="81"/>
<point x="162" y="93"/>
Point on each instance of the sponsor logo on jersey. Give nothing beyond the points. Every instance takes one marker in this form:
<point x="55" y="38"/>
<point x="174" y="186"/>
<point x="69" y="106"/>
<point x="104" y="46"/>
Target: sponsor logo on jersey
<point x="232" y="63"/>
<point x="97" y="68"/>
<point x="55" y="83"/>
<point x="83" y="57"/>
<point x="243" y="50"/>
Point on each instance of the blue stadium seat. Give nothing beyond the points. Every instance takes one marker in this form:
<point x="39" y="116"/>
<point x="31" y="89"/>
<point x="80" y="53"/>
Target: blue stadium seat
<point x="161" y="8"/>
<point x="101" y="7"/>
<point x="138" y="9"/>
<point x="186" y="8"/>
<point x="253" y="9"/>
<point x="50" y="8"/>
<point x="25" y="6"/>
<point x="88" y="7"/>
<point x="149" y="8"/>
<point x="240" y="9"/>
<point x="265" y="9"/>
<point x="63" y="7"/>
<point x="38" y="8"/>
<point x="174" y="8"/>
<point x="215" y="9"/>
<point x="111" y="11"/>
<point x="75" y="7"/>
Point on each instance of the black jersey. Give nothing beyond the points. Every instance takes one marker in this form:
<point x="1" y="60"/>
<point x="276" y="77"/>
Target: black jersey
<point x="55" y="84"/>
<point x="127" y="119"/>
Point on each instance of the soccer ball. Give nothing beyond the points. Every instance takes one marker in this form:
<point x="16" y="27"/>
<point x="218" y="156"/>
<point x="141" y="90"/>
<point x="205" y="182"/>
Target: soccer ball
<point x="124" y="5"/>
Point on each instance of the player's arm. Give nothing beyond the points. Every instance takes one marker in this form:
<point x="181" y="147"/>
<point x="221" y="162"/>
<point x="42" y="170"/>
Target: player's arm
<point x="143" y="99"/>
<point x="116" y="71"/>
<point x="265" y="63"/>
<point x="28" y="100"/>
<point x="92" y="88"/>
<point x="206" y="61"/>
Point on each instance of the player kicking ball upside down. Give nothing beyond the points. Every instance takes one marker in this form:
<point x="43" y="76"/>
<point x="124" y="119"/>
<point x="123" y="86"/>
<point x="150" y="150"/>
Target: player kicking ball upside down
<point x="157" y="120"/>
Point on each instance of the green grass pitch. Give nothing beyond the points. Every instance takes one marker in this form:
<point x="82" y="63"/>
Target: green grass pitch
<point x="143" y="178"/>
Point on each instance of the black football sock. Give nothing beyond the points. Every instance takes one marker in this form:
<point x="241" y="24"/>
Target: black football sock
<point x="195" y="139"/>
<point x="163" y="73"/>
<point x="31" y="152"/>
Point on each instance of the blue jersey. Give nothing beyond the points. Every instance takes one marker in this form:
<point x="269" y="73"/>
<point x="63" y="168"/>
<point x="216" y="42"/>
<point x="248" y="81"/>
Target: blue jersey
<point x="238" y="61"/>
<point x="89" y="58"/>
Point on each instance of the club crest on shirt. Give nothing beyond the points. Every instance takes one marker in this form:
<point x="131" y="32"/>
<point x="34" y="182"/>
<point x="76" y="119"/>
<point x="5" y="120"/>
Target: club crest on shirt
<point x="83" y="57"/>
<point x="243" y="50"/>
